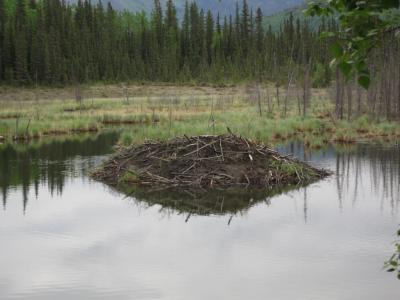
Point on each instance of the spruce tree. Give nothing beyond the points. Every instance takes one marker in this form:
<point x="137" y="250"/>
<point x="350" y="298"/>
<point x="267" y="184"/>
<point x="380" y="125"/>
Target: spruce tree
<point x="2" y="31"/>
<point x="195" y="38"/>
<point x="171" y="21"/>
<point x="260" y="31"/>
<point x="245" y="26"/>
<point x="209" y="36"/>
<point x="20" y="44"/>
<point x="185" y="35"/>
<point x="172" y="43"/>
<point x="157" y="21"/>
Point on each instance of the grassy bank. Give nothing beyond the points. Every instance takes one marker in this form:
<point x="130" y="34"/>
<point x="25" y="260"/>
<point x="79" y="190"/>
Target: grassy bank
<point x="163" y="112"/>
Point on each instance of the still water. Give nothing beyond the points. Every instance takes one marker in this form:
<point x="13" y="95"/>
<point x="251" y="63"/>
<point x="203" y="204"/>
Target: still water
<point x="63" y="236"/>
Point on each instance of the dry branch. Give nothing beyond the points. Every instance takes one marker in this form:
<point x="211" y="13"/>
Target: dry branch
<point x="205" y="162"/>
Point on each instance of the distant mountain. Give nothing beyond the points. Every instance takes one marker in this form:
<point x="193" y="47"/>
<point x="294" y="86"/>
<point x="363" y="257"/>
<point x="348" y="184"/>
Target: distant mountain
<point x="276" y="20"/>
<point x="269" y="7"/>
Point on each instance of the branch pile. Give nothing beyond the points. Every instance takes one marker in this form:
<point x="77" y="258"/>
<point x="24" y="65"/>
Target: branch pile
<point x="205" y="162"/>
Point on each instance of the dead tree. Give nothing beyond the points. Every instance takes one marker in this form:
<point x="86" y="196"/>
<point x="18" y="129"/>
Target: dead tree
<point x="306" y="90"/>
<point x="78" y="94"/>
<point x="349" y="100"/>
<point x="126" y="94"/>
<point x="339" y="95"/>
<point x="259" y="96"/>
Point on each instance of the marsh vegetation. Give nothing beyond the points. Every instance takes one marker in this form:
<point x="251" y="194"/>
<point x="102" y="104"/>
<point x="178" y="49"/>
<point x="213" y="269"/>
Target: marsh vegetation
<point x="161" y="112"/>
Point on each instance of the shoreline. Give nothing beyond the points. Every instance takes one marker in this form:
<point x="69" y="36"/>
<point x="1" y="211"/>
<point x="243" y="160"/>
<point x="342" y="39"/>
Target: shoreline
<point x="166" y="111"/>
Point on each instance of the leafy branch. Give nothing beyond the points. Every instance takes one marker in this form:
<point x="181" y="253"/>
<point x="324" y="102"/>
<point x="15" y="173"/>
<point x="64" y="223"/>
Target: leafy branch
<point x="362" y="25"/>
<point x="393" y="264"/>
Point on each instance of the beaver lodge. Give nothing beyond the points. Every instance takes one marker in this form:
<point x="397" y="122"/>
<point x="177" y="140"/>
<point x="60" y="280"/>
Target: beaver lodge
<point x="205" y="162"/>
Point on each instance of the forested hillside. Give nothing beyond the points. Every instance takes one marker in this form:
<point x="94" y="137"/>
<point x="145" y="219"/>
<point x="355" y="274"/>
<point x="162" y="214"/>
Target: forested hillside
<point x="223" y="6"/>
<point x="50" y="42"/>
<point x="276" y="20"/>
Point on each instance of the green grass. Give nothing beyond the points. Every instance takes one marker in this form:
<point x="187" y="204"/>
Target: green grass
<point x="193" y="113"/>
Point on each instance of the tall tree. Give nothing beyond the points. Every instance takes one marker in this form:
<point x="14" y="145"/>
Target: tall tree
<point x="2" y="31"/>
<point x="245" y="26"/>
<point x="20" y="43"/>
<point x="209" y="36"/>
<point x="171" y="21"/>
<point x="260" y="30"/>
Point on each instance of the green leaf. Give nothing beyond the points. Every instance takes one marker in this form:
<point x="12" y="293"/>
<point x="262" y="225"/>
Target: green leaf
<point x="364" y="80"/>
<point x="327" y="34"/>
<point x="345" y="67"/>
<point x="336" y="50"/>
<point x="393" y="263"/>
<point x="361" y="67"/>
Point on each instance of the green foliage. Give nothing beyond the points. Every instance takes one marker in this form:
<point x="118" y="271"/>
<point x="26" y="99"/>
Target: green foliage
<point x="129" y="176"/>
<point x="393" y="264"/>
<point x="362" y="26"/>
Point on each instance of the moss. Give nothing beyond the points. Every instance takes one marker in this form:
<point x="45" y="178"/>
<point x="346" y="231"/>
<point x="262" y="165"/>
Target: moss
<point x="129" y="176"/>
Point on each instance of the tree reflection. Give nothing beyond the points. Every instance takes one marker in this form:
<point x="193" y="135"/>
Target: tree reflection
<point x="27" y="167"/>
<point x="361" y="171"/>
<point x="365" y="169"/>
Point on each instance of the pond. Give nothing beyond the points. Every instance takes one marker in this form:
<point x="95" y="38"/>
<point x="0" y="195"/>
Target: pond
<point x="65" y="236"/>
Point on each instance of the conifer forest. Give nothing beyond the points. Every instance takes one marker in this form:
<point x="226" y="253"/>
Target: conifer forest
<point x="52" y="42"/>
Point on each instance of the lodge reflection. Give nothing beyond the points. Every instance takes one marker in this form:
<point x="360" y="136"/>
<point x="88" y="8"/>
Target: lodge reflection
<point x="28" y="167"/>
<point x="359" y="169"/>
<point x="203" y="202"/>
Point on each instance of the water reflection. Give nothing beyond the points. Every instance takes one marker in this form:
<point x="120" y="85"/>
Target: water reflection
<point x="359" y="170"/>
<point x="79" y="241"/>
<point x="50" y="163"/>
<point x="368" y="166"/>
<point x="203" y="202"/>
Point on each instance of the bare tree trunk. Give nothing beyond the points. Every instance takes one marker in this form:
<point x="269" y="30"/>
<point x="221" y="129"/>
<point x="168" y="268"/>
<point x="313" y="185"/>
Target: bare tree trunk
<point x="306" y="91"/>
<point x="270" y="105"/>
<point x="298" y="100"/>
<point x="126" y="94"/>
<point x="349" y="100"/>
<point x="277" y="95"/>
<point x="339" y="95"/>
<point x="358" y="101"/>
<point x="78" y="94"/>
<point x="287" y="94"/>
<point x="342" y="99"/>
<point x="259" y="99"/>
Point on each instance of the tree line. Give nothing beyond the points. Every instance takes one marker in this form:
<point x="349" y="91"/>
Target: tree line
<point x="53" y="42"/>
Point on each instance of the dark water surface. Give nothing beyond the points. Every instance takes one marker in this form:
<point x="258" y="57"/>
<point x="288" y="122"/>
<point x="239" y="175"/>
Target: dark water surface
<point x="63" y="236"/>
